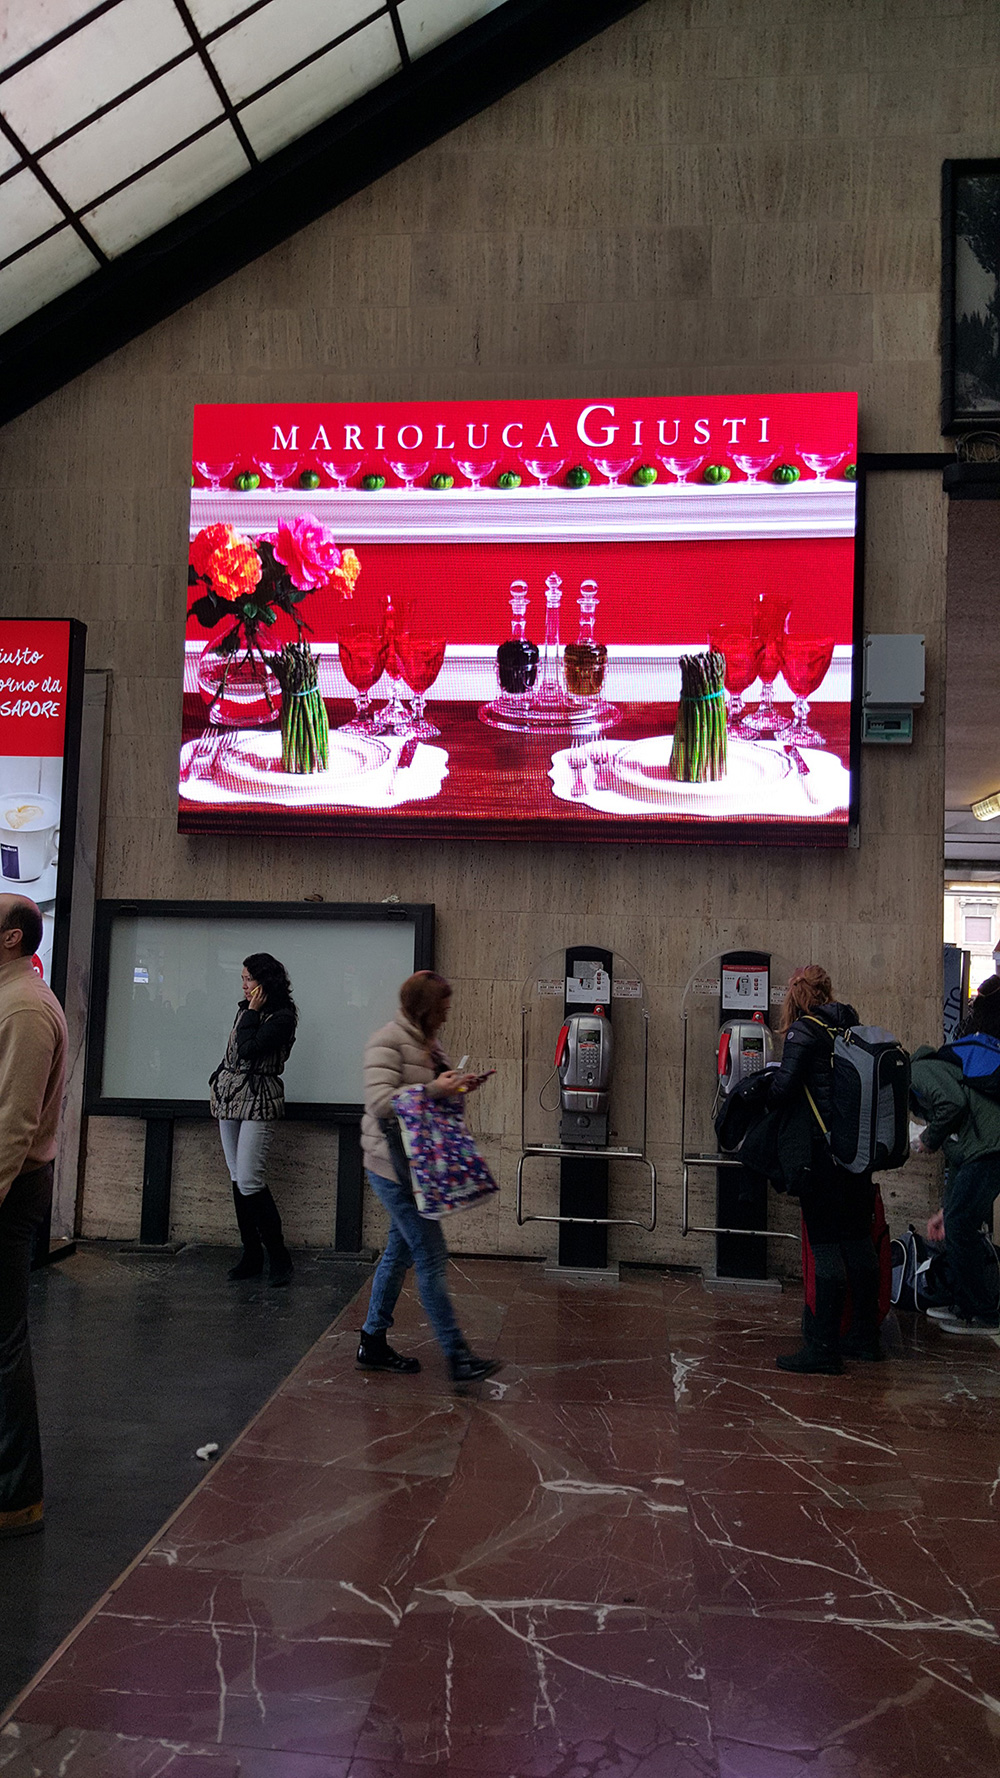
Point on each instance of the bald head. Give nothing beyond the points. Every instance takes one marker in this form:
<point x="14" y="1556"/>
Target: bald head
<point x="20" y="928"/>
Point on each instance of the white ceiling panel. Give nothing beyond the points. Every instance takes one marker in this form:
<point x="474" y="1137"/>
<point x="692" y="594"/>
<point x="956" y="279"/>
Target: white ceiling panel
<point x="43" y="274"/>
<point x="326" y="86"/>
<point x="208" y="15"/>
<point x="261" y="47"/>
<point x="26" y="210"/>
<point x="133" y="134"/>
<point x="27" y="24"/>
<point x="9" y="156"/>
<point x="161" y="196"/>
<point x="428" y="22"/>
<point x="91" y="68"/>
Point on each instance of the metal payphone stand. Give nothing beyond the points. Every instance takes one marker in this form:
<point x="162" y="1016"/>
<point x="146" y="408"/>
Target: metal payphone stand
<point x="584" y="1167"/>
<point x="739" y="1228"/>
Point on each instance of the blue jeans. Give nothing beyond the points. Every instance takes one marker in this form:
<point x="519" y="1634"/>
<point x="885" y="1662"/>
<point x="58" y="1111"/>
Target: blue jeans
<point x="968" y="1203"/>
<point x="412" y="1241"/>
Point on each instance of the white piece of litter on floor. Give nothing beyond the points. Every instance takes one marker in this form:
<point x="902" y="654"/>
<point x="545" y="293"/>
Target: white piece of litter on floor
<point x="206" y="1452"/>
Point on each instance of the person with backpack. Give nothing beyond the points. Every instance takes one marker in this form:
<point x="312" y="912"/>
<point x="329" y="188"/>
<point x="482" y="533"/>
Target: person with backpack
<point x="957" y="1089"/>
<point x="837" y="1205"/>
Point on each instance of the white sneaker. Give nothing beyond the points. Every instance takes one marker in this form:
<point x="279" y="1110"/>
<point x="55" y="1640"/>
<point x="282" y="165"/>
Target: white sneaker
<point x="941" y="1312"/>
<point x="977" y="1326"/>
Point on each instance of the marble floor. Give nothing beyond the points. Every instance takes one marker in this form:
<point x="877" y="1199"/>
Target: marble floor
<point x="638" y="1552"/>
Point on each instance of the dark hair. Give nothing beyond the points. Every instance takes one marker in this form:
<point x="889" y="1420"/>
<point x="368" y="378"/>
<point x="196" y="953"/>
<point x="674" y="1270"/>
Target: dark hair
<point x="25" y="916"/>
<point x="984" y="1013"/>
<point x="422" y="998"/>
<point x="273" y="978"/>
<point x="807" y="988"/>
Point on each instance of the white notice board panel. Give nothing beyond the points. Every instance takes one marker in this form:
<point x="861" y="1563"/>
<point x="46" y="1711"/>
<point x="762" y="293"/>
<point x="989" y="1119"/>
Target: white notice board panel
<point x="174" y="984"/>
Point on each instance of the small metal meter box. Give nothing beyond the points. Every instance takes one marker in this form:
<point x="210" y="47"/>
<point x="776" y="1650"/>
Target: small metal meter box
<point x="894" y="670"/>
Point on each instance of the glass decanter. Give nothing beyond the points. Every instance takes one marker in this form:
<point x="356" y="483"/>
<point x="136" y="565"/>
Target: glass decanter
<point x="517" y="666"/>
<point x="585" y="664"/>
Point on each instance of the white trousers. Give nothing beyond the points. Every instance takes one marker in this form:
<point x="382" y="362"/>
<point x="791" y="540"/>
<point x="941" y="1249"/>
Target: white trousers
<point x="246" y="1143"/>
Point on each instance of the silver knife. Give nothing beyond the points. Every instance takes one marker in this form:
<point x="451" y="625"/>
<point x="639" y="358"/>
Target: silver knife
<point x="802" y="769"/>
<point x="403" y="759"/>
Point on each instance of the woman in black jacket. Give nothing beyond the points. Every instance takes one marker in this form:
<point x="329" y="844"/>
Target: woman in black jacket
<point x="248" y="1098"/>
<point x="837" y="1206"/>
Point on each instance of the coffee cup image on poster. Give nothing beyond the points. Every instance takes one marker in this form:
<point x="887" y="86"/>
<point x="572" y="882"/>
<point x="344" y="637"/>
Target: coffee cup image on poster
<point x="615" y="620"/>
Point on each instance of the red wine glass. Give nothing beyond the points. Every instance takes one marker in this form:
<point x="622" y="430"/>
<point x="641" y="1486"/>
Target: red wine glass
<point x="770" y="614"/>
<point x="743" y="651"/>
<point x="421" y="658"/>
<point x="362" y="656"/>
<point x="805" y="662"/>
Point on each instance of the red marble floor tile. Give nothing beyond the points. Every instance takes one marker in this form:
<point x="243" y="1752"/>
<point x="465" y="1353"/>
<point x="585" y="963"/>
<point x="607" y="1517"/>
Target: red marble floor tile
<point x="593" y="1378"/>
<point x="794" y="1700"/>
<point x="836" y="1481"/>
<point x="618" y="1441"/>
<point x="553" y="1532"/>
<point x="207" y="1684"/>
<point x="303" y="1521"/>
<point x="519" y="1690"/>
<point x="391" y="1434"/>
<point x="300" y="1610"/>
<point x="36" y="1750"/>
<point x="802" y="1557"/>
<point x="975" y="1551"/>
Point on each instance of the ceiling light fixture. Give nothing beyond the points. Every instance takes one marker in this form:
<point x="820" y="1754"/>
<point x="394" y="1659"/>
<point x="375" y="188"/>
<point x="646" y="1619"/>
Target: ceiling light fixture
<point x="988" y="808"/>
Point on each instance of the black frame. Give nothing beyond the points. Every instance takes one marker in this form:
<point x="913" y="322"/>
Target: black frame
<point x="421" y="914"/>
<point x="955" y="417"/>
<point x="68" y="806"/>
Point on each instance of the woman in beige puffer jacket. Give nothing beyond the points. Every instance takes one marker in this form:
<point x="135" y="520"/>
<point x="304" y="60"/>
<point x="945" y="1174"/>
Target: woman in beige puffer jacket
<point x="406" y="1053"/>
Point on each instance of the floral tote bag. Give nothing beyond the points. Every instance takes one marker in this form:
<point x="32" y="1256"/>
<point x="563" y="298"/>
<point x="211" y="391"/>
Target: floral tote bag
<point x="446" y="1169"/>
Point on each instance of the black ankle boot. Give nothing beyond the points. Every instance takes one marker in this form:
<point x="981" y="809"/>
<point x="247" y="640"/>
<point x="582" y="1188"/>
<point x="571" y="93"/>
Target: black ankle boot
<point x="465" y="1367"/>
<point x="268" y="1220"/>
<point x="376" y="1354"/>
<point x="819" y="1354"/>
<point x="251" y="1262"/>
<point x="866" y="1346"/>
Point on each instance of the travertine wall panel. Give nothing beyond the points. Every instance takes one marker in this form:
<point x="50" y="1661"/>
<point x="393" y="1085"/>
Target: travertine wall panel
<point x="711" y="196"/>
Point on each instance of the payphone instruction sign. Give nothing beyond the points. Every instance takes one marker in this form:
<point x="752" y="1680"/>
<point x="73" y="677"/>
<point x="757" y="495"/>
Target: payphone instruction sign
<point x="590" y="986"/>
<point x="744" y="990"/>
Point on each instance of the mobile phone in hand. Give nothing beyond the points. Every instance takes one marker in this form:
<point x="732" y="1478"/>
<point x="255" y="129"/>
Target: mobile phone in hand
<point x="481" y="1077"/>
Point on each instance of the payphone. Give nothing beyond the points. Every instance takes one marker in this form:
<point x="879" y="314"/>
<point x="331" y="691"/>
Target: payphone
<point x="746" y="1045"/>
<point x="583" y="1062"/>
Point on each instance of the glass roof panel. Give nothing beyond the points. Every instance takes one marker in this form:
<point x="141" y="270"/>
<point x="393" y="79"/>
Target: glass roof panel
<point x="208" y="15"/>
<point x="91" y="68"/>
<point x="263" y="46"/>
<point x="155" y="199"/>
<point x="43" y="274"/>
<point x="321" y="89"/>
<point x="133" y="134"/>
<point x="428" y="22"/>
<point x="26" y="27"/>
<point x="26" y="210"/>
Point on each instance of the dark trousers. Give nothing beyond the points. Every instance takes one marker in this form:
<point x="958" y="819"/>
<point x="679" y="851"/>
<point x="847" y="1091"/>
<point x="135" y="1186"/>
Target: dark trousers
<point x="968" y="1203"/>
<point x="837" y="1209"/>
<point x="22" y="1211"/>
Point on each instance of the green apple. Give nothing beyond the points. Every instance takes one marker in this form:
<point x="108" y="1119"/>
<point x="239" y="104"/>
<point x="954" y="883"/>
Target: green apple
<point x="578" y="477"/>
<point x="644" y="476"/>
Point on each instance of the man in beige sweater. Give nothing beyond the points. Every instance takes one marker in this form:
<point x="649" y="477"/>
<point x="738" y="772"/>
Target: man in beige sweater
<point x="32" y="1069"/>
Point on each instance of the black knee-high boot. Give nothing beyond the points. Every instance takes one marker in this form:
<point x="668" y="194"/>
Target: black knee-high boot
<point x="820" y="1352"/>
<point x="862" y="1339"/>
<point x="251" y="1263"/>
<point x="279" y="1260"/>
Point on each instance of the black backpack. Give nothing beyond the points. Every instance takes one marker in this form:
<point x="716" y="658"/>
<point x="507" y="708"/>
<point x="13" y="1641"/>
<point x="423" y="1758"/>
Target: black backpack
<point x="870" y="1093"/>
<point x="741" y="1109"/>
<point x="921" y="1275"/>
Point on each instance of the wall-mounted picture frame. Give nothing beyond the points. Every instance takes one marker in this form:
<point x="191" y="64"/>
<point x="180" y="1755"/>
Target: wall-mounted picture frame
<point x="970" y="295"/>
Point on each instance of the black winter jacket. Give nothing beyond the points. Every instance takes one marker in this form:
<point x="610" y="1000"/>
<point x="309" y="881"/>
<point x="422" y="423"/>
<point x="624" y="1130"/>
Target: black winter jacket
<point x="807" y="1057"/>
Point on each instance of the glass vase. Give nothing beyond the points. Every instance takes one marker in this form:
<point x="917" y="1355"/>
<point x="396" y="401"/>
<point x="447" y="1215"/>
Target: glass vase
<point x="237" y="682"/>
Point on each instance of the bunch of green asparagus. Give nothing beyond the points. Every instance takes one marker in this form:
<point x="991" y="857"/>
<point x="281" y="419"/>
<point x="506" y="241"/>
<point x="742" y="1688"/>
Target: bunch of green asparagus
<point x="699" y="750"/>
<point x="305" y="730"/>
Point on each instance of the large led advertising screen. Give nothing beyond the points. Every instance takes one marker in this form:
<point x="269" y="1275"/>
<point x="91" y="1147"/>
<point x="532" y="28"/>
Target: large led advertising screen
<point x="622" y="620"/>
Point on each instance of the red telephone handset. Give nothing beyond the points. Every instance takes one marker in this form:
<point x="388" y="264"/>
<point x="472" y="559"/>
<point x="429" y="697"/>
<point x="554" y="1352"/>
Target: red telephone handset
<point x="561" y="1044"/>
<point x="723" y="1052"/>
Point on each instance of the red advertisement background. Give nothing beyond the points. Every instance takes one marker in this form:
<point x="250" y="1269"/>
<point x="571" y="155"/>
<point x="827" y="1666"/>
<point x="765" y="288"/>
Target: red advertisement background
<point x="35" y="733"/>
<point x="649" y="592"/>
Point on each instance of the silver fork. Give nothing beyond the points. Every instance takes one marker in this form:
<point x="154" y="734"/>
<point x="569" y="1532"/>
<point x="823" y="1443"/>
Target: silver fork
<point x="604" y="762"/>
<point x="209" y="751"/>
<point x="578" y="760"/>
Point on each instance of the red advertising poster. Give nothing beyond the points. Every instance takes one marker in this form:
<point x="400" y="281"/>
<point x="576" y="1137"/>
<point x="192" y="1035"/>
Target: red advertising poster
<point x="626" y="620"/>
<point x="34" y="674"/>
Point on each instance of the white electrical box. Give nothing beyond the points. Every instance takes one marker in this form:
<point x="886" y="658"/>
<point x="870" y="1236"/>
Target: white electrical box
<point x="893" y="671"/>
